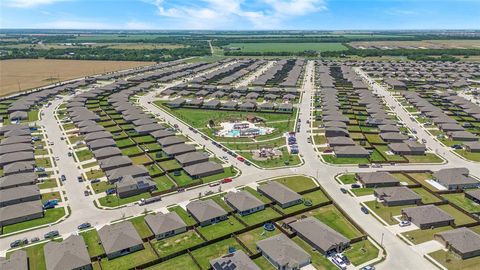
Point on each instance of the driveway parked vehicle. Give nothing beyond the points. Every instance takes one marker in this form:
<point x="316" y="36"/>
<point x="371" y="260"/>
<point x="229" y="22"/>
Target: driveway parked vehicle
<point x="84" y="226"/>
<point x="364" y="210"/>
<point x="51" y="234"/>
<point x="405" y="223"/>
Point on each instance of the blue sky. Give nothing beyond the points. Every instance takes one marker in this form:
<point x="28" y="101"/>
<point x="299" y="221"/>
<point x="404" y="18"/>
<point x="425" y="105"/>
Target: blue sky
<point x="241" y="14"/>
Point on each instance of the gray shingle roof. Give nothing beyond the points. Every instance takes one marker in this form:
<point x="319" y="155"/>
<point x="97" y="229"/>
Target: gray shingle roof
<point x="204" y="210"/>
<point x="283" y="250"/>
<point x="18" y="261"/>
<point x="236" y="260"/>
<point x="462" y="239"/>
<point x="426" y="214"/>
<point x="70" y="254"/>
<point x="119" y="236"/>
<point x="376" y="178"/>
<point x="162" y="223"/>
<point x="243" y="200"/>
<point x="279" y="192"/>
<point x="397" y="194"/>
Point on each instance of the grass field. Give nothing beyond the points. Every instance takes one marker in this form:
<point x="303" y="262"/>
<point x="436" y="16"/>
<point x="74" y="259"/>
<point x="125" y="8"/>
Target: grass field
<point x="462" y="202"/>
<point x="288" y="47"/>
<point x="250" y="238"/>
<point x="180" y="262"/>
<point x="451" y="262"/>
<point x="447" y="44"/>
<point x="92" y="240"/>
<point x="50" y="216"/>
<point x="23" y="74"/>
<point x="130" y="260"/>
<point x="332" y="217"/>
<point x="421" y="236"/>
<point x="213" y="251"/>
<point x="176" y="243"/>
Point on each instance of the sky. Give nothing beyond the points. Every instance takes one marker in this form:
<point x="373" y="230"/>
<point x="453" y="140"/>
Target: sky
<point x="241" y="14"/>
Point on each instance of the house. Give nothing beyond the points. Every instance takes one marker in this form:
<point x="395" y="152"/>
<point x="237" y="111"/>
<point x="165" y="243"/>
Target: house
<point x="120" y="239"/>
<point x="20" y="212"/>
<point x="114" y="162"/>
<point x="320" y="236"/>
<point x="236" y="260"/>
<point x="178" y="149"/>
<point x="340" y="141"/>
<point x="107" y="152"/>
<point x="19" y="194"/>
<point x="267" y="106"/>
<point x="407" y="148"/>
<point x="171" y="140"/>
<point x="101" y="143"/>
<point x="176" y="103"/>
<point x="377" y="179"/>
<point x="230" y="105"/>
<point x="159" y="134"/>
<point x="464" y="242"/>
<point x="203" y="169"/>
<point x="281" y="194"/>
<point x="393" y="137"/>
<point x="9" y="158"/>
<point x="455" y="178"/>
<point x="473" y="195"/>
<point x="283" y="253"/>
<point x="206" y="212"/>
<point x="192" y="158"/>
<point x="129" y="186"/>
<point x="97" y="135"/>
<point x="18" y="167"/>
<point x="16" y="140"/>
<point x="473" y="147"/>
<point x="388" y="128"/>
<point x="353" y="151"/>
<point x="284" y="107"/>
<point x="71" y="253"/>
<point x="244" y="202"/>
<point x="133" y="170"/>
<point x="17" y="180"/>
<point x="247" y="106"/>
<point x="393" y="196"/>
<point x="165" y="225"/>
<point x="18" y="261"/>
<point x="147" y="129"/>
<point x="427" y="216"/>
<point x="464" y="136"/>
<point x="211" y="104"/>
<point x="17" y="147"/>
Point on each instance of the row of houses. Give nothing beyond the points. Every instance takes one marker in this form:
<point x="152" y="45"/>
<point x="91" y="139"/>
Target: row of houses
<point x="283" y="73"/>
<point x="215" y="104"/>
<point x="243" y="66"/>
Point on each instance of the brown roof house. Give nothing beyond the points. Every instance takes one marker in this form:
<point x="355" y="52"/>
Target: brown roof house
<point x="473" y="195"/>
<point x="281" y="194"/>
<point x="464" y="242"/>
<point x="427" y="216"/>
<point x="20" y="212"/>
<point x="206" y="212"/>
<point x="320" y="236"/>
<point x="455" y="178"/>
<point x="236" y="260"/>
<point x="120" y="239"/>
<point x="377" y="179"/>
<point x="203" y="169"/>
<point x="353" y="151"/>
<point x="283" y="253"/>
<point x="473" y="147"/>
<point x="392" y="196"/>
<point x="165" y="225"/>
<point x="18" y="261"/>
<point x="244" y="202"/>
<point x="71" y="253"/>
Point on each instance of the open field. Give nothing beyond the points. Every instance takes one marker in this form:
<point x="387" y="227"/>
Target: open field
<point x="424" y="44"/>
<point x="288" y="47"/>
<point x="23" y="74"/>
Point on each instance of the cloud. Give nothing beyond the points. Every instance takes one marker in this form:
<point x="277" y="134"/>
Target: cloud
<point x="76" y="24"/>
<point x="29" y="3"/>
<point x="234" y="14"/>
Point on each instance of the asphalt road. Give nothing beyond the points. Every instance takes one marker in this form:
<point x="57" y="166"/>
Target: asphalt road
<point x="400" y="255"/>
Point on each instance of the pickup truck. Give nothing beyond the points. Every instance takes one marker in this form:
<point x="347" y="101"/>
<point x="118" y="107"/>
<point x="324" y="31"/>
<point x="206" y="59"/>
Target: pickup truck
<point x="143" y="201"/>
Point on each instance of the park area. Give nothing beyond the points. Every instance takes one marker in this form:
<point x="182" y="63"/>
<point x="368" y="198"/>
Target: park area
<point x="287" y="47"/>
<point x="23" y="74"/>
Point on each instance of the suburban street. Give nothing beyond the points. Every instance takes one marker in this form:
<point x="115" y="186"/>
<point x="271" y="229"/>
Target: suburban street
<point x="399" y="254"/>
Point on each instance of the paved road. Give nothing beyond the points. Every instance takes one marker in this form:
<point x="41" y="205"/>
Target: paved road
<point x="400" y="255"/>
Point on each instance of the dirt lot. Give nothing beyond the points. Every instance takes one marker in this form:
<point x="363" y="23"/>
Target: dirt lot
<point x="424" y="44"/>
<point x="23" y="74"/>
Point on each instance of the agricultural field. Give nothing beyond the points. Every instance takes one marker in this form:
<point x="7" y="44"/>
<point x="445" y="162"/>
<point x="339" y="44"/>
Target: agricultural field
<point x="23" y="74"/>
<point x="423" y="44"/>
<point x="287" y="47"/>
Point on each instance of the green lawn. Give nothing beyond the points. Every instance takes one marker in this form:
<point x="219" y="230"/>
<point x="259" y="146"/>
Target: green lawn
<point x="213" y="251"/>
<point x="361" y="252"/>
<point x="334" y="160"/>
<point x="287" y="47"/>
<point x="297" y="183"/>
<point x="170" y="165"/>
<point x="263" y="263"/>
<point x="461" y="201"/>
<point x="403" y="178"/>
<point x="92" y="240"/>
<point x="182" y="179"/>
<point x="94" y="174"/>
<point x="460" y="218"/>
<point x="220" y="229"/>
<point x="83" y="155"/>
<point x="141" y="226"/>
<point x="319" y="261"/>
<point x="130" y="260"/>
<point x="101" y="186"/>
<point x="51" y="196"/>
<point x="125" y="142"/>
<point x="131" y="151"/>
<point x="386" y="212"/>
<point x="89" y="165"/>
<point x="362" y="191"/>
<point x="43" y="162"/>
<point x="427" y="158"/>
<point x="332" y="217"/>
<point x="227" y="172"/>
<point x="140" y="160"/>
<point x="421" y="236"/>
<point x="316" y="197"/>
<point x="176" y="243"/>
<point x="50" y="216"/>
<point x="257" y="194"/>
<point x="163" y="183"/>
<point x="250" y="238"/>
<point x="180" y="262"/>
<point x="259" y="217"/>
<point x="114" y="200"/>
<point x="427" y="197"/>
<point x="189" y="220"/>
<point x="469" y="155"/>
<point x="48" y="183"/>
<point x="348" y="179"/>
<point x="451" y="262"/>
<point x="284" y="160"/>
<point x="36" y="257"/>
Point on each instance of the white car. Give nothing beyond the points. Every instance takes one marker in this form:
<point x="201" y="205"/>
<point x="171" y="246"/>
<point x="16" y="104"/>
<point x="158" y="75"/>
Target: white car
<point x="339" y="262"/>
<point x="405" y="223"/>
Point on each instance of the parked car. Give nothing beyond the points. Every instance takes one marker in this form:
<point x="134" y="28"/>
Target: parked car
<point x="19" y="242"/>
<point x="95" y="181"/>
<point x="364" y="210"/>
<point x="51" y="234"/>
<point x="343" y="258"/>
<point x="424" y="141"/>
<point x="344" y="191"/>
<point x="368" y="267"/>
<point x="69" y="154"/>
<point x="86" y="193"/>
<point x="63" y="177"/>
<point x="80" y="178"/>
<point x="376" y="165"/>
<point x="405" y="223"/>
<point x="214" y="184"/>
<point x="246" y="162"/>
<point x="84" y="226"/>
<point x="457" y="146"/>
<point x="241" y="159"/>
<point x="327" y="151"/>
<point x="339" y="262"/>
<point x="227" y="180"/>
<point x="355" y="186"/>
<point x="34" y="239"/>
<point x="110" y="191"/>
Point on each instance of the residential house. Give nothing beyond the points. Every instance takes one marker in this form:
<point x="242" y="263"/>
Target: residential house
<point x="165" y="225"/>
<point x="244" y="202"/>
<point x="120" y="239"/>
<point x="281" y="194"/>
<point x="206" y="212"/>
<point x="427" y="216"/>
<point x="283" y="253"/>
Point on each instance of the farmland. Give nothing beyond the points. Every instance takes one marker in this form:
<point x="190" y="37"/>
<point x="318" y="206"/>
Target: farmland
<point x="288" y="47"/>
<point x="23" y="74"/>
